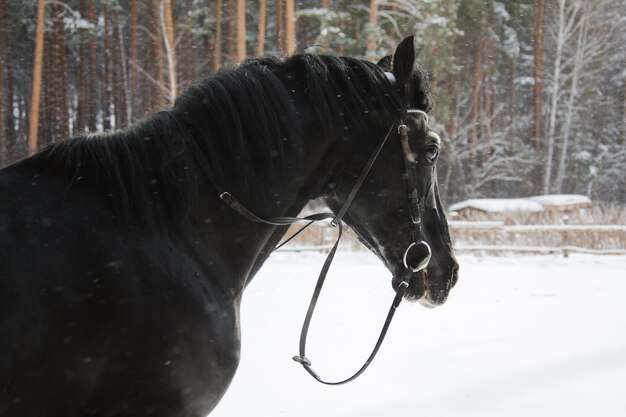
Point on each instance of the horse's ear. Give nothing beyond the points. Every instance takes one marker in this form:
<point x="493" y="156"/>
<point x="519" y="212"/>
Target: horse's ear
<point x="385" y="63"/>
<point x="404" y="60"/>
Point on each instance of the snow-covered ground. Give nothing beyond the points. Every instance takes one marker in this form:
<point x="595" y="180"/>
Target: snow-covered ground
<point x="519" y="336"/>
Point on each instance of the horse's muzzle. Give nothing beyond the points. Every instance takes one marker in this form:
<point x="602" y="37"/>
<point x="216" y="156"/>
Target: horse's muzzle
<point x="437" y="284"/>
<point x="431" y="286"/>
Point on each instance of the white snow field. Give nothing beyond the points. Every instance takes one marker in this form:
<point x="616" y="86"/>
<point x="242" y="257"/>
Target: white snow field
<point x="519" y="336"/>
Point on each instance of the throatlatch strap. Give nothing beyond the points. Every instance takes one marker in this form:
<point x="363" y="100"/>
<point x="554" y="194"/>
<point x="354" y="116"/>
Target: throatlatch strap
<point x="273" y="221"/>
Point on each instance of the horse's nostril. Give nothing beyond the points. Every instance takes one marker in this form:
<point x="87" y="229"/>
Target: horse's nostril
<point x="454" y="275"/>
<point x="431" y="155"/>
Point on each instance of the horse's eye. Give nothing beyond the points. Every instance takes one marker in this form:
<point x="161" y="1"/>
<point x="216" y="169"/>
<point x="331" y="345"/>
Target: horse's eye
<point x="431" y="154"/>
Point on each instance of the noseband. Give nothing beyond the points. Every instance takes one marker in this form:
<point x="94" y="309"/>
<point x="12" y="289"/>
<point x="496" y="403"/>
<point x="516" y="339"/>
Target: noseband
<point x="421" y="249"/>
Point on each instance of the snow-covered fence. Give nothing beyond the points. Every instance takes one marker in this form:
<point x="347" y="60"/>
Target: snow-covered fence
<point x="598" y="229"/>
<point x="540" y="224"/>
<point x="496" y="236"/>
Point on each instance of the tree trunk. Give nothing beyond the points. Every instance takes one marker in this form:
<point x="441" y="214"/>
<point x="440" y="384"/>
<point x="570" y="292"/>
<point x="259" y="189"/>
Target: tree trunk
<point x="357" y="29"/>
<point x="241" y="30"/>
<point x="107" y="76"/>
<point x="477" y="86"/>
<point x="36" y="88"/>
<point x="50" y="124"/>
<point x="624" y="116"/>
<point x="134" y="70"/>
<point x="3" y="94"/>
<point x="82" y="87"/>
<point x="186" y="53"/>
<point x="573" y="95"/>
<point x="23" y="106"/>
<point x="279" y="25"/>
<point x="167" y="23"/>
<point x="47" y="95"/>
<point x="10" y="96"/>
<point x="158" y="95"/>
<point x="121" y="91"/>
<point x="63" y="112"/>
<point x="512" y="105"/>
<point x="290" y="27"/>
<point x="262" y="27"/>
<point x="564" y="26"/>
<point x="94" y="85"/>
<point x="116" y="82"/>
<point x="371" y="35"/>
<point x="231" y="30"/>
<point x="217" y="49"/>
<point x="538" y="73"/>
<point x="488" y="93"/>
<point x="303" y="33"/>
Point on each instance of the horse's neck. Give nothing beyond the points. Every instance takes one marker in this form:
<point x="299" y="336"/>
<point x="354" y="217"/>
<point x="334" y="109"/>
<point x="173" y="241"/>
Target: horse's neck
<point x="243" y="246"/>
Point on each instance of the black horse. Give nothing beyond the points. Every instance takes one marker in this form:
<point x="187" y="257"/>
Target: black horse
<point x="121" y="269"/>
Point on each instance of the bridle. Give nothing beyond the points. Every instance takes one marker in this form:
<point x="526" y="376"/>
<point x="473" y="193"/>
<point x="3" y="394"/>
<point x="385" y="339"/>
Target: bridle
<point x="419" y="246"/>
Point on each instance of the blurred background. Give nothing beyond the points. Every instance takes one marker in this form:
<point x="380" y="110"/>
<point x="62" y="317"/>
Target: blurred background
<point x="530" y="93"/>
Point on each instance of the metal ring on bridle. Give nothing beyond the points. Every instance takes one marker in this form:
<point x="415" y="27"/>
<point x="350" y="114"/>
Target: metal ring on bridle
<point x="424" y="262"/>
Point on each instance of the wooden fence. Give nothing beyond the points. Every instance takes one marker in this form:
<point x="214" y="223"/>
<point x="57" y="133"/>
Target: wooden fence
<point x="495" y="237"/>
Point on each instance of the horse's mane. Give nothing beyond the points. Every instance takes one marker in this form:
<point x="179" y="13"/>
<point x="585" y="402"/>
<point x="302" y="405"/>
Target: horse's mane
<point x="235" y="129"/>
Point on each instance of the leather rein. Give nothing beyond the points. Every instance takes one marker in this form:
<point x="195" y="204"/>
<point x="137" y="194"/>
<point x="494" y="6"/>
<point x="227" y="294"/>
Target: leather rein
<point x="422" y="249"/>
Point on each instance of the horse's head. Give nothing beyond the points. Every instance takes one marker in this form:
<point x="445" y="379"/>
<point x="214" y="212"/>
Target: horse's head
<point x="380" y="213"/>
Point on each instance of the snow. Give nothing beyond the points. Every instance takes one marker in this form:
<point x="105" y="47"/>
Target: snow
<point x="482" y="225"/>
<point x="566" y="227"/>
<point x="536" y="249"/>
<point x="520" y="336"/>
<point x="524" y="81"/>
<point x="467" y="224"/>
<point x="498" y="205"/>
<point x="500" y="10"/>
<point x="83" y="24"/>
<point x="536" y="203"/>
<point x="510" y="44"/>
<point x="561" y="199"/>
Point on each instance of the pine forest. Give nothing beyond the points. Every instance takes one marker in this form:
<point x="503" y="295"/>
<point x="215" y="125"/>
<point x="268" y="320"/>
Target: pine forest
<point x="530" y="94"/>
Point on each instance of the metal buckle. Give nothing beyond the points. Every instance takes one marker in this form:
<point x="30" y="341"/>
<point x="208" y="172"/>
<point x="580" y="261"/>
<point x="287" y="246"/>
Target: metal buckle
<point x="415" y="216"/>
<point x="424" y="262"/>
<point x="303" y="360"/>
